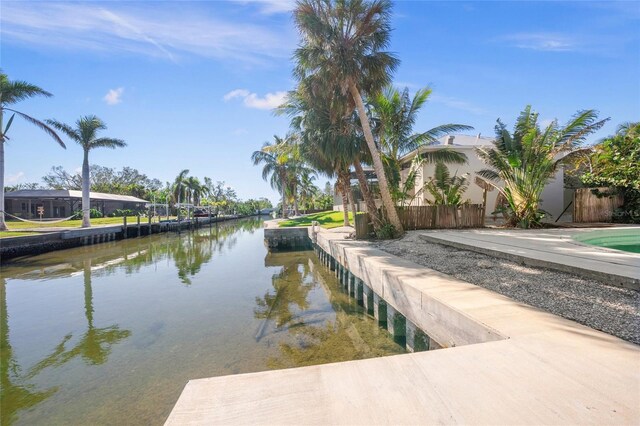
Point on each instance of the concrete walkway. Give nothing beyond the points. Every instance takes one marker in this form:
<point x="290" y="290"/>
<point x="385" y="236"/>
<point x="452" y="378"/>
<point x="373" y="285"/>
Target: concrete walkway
<point x="535" y="380"/>
<point x="533" y="368"/>
<point x="549" y="248"/>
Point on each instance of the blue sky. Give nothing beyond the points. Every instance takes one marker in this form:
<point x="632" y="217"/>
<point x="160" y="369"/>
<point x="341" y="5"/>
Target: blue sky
<point x="190" y="84"/>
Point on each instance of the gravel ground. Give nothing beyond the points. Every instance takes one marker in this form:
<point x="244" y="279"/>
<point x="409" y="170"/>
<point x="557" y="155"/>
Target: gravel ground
<point x="610" y="309"/>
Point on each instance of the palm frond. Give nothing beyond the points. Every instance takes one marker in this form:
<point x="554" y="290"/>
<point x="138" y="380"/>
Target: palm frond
<point x="42" y="126"/>
<point x="110" y="143"/>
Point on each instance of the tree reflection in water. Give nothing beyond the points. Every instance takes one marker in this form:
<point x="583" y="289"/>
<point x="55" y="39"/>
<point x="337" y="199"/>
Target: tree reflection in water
<point x="289" y="291"/>
<point x="95" y="344"/>
<point x="316" y="337"/>
<point x="15" y="393"/>
<point x="189" y="252"/>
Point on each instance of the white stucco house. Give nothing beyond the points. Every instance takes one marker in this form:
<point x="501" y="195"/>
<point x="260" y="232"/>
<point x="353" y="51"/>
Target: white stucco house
<point x="552" y="198"/>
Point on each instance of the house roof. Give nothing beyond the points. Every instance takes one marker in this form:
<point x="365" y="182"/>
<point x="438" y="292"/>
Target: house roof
<point x="70" y="193"/>
<point x="459" y="142"/>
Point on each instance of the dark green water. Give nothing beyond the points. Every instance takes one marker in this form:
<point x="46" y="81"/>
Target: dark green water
<point x="111" y="333"/>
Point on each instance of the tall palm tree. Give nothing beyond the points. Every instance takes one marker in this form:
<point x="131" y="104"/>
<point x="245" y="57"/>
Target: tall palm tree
<point x="521" y="164"/>
<point x="178" y="186"/>
<point x="276" y="160"/>
<point x="330" y="141"/>
<point x="12" y="92"/>
<point x="86" y="135"/>
<point x="195" y="190"/>
<point x="395" y="114"/>
<point x="342" y="47"/>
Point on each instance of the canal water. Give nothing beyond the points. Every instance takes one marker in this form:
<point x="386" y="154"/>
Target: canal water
<point x="111" y="333"/>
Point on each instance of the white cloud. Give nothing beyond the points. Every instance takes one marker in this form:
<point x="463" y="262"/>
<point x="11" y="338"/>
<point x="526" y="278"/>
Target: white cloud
<point x="252" y="100"/>
<point x="238" y="93"/>
<point x="14" y="179"/>
<point x="114" y="96"/>
<point x="548" y="42"/>
<point x="166" y="32"/>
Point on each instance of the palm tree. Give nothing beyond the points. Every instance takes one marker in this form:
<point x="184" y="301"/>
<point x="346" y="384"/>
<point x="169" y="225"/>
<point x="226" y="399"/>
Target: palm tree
<point x="342" y="48"/>
<point x="527" y="159"/>
<point x="12" y="92"/>
<point x="276" y="159"/>
<point x="330" y="141"/>
<point x="307" y="191"/>
<point x="195" y="190"/>
<point x="444" y="188"/>
<point x="178" y="185"/>
<point x="395" y="114"/>
<point x="86" y="135"/>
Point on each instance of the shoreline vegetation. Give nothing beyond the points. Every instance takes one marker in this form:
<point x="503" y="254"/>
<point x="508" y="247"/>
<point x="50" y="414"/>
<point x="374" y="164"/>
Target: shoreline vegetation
<point x="327" y="220"/>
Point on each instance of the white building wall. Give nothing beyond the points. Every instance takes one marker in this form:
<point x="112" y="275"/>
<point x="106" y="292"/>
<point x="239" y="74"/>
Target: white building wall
<point x="552" y="196"/>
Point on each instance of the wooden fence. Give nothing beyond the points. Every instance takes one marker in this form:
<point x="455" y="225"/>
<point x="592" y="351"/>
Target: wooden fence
<point x="362" y="225"/>
<point x="589" y="207"/>
<point x="430" y="217"/>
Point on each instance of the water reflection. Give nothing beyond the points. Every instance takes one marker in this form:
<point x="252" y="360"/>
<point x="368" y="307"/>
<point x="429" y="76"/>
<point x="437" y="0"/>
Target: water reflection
<point x="337" y="331"/>
<point x="159" y="311"/>
<point x="289" y="295"/>
<point x="188" y="251"/>
<point x="15" y="392"/>
<point x="95" y="344"/>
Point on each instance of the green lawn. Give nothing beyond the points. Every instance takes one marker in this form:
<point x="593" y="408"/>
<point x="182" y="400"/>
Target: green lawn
<point x="73" y="223"/>
<point x="5" y="234"/>
<point x="18" y="225"/>
<point x="329" y="219"/>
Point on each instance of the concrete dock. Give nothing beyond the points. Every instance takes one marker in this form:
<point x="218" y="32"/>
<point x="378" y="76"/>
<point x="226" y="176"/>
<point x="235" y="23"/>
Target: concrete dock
<point x="505" y="363"/>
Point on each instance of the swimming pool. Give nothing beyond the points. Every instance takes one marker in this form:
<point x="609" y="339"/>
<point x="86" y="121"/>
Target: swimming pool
<point x="627" y="239"/>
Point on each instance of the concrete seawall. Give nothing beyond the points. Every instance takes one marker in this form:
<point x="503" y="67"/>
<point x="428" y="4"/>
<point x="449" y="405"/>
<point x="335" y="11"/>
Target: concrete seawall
<point x="508" y="363"/>
<point x="287" y="239"/>
<point x="409" y="291"/>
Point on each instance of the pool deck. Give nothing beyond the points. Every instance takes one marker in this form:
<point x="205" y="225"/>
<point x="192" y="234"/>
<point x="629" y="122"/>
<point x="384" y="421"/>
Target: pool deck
<point x="544" y="370"/>
<point x="549" y="248"/>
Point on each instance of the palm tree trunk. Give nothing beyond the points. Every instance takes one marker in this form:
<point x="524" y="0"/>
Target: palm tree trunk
<point x="345" y="205"/>
<point x="344" y="190"/>
<point x="372" y="210"/>
<point x="295" y="200"/>
<point x="377" y="161"/>
<point x="86" y="184"/>
<point x="283" y="184"/>
<point x="352" y="201"/>
<point x="3" y="225"/>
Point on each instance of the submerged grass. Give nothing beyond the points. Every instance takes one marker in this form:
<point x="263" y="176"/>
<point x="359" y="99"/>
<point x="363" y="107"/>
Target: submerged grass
<point x="328" y="220"/>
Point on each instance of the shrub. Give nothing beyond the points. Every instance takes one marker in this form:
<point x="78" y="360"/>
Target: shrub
<point x="122" y="212"/>
<point x="386" y="231"/>
<point x="93" y="214"/>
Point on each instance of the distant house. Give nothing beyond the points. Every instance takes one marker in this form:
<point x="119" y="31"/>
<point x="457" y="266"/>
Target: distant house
<point x="552" y="196"/>
<point x="62" y="203"/>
